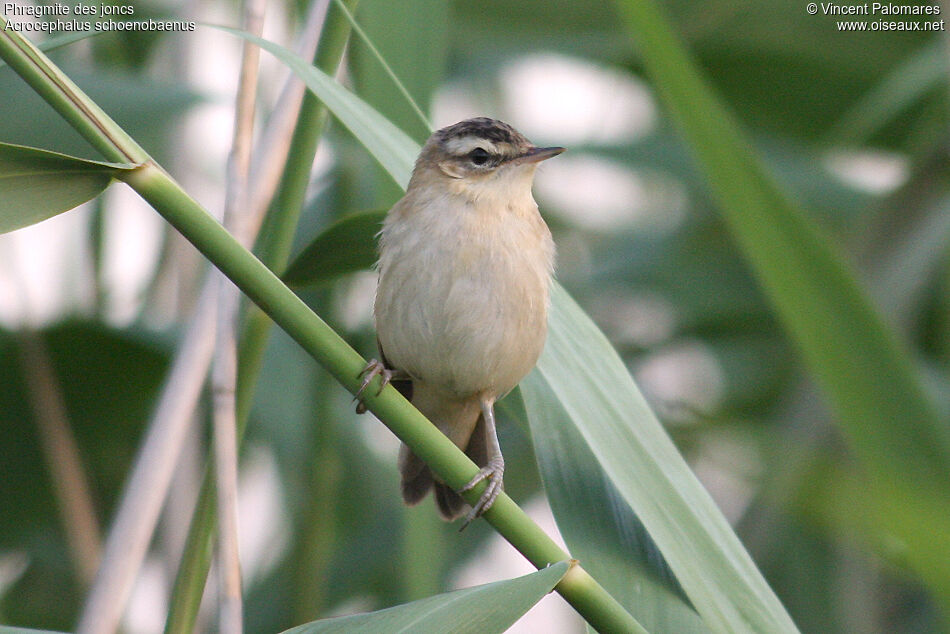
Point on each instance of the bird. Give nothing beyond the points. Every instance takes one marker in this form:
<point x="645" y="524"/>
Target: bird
<point x="464" y="274"/>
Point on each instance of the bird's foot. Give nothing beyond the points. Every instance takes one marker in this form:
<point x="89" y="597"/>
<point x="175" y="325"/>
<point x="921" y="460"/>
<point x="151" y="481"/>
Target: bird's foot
<point x="493" y="472"/>
<point x="373" y="369"/>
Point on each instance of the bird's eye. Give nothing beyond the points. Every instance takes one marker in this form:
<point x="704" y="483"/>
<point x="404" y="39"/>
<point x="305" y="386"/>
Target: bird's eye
<point x="478" y="156"/>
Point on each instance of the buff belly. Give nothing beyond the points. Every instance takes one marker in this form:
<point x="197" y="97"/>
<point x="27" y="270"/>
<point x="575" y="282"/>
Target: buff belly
<point x="465" y="316"/>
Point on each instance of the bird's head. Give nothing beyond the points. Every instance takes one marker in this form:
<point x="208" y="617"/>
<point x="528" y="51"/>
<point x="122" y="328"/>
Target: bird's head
<point x="478" y="157"/>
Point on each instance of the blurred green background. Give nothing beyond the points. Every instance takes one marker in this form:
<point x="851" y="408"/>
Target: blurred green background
<point x="852" y="125"/>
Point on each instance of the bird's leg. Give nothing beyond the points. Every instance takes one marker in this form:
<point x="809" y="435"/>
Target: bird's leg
<point x="373" y="369"/>
<point x="493" y="471"/>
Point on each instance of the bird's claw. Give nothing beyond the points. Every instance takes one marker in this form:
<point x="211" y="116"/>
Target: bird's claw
<point x="494" y="473"/>
<point x="373" y="369"/>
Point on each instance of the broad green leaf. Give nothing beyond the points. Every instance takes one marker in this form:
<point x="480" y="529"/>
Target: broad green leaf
<point x="416" y="49"/>
<point x="597" y="524"/>
<point x="394" y="150"/>
<point x="864" y="371"/>
<point x="492" y="607"/>
<point x="37" y="184"/>
<point x="345" y="246"/>
<point x="7" y="629"/>
<point x="596" y="392"/>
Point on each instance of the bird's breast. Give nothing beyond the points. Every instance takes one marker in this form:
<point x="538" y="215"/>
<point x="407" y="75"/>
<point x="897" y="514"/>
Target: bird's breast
<point x="463" y="294"/>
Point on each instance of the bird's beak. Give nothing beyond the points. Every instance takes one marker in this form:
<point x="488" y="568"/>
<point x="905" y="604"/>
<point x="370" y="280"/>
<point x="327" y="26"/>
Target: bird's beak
<point x="538" y="154"/>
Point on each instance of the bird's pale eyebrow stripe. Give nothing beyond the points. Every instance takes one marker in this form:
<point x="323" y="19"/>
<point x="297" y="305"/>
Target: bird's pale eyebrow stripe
<point x="465" y="144"/>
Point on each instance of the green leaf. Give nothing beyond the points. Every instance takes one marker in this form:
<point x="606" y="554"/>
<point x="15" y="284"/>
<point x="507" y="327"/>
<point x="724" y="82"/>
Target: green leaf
<point x="493" y="607"/>
<point x="874" y="389"/>
<point x="346" y="246"/>
<point x="597" y="523"/>
<point x="394" y="150"/>
<point x="7" y="629"/>
<point x="595" y="390"/>
<point x="417" y="51"/>
<point x="37" y="184"/>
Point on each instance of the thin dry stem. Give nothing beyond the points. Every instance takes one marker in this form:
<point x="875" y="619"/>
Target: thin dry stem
<point x="224" y="369"/>
<point x="145" y="492"/>
<point x="224" y="378"/>
<point x="270" y="153"/>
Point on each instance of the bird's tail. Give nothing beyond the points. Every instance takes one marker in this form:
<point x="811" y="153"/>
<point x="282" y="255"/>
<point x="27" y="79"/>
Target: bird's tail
<point x="462" y="422"/>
